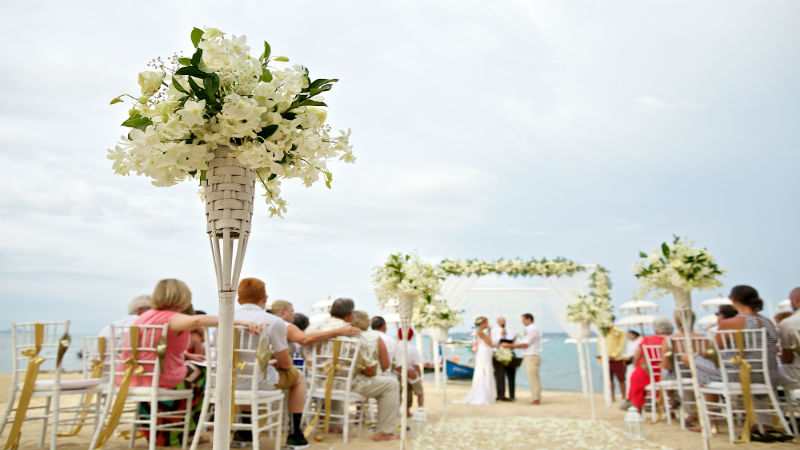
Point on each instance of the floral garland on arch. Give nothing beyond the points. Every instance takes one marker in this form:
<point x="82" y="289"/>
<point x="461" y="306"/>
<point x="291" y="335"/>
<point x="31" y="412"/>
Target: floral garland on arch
<point x="436" y="314"/>
<point x="678" y="265"/>
<point x="270" y="116"/>
<point x="404" y="273"/>
<point x="599" y="283"/>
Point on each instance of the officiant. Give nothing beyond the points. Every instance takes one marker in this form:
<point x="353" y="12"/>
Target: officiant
<point x="508" y="369"/>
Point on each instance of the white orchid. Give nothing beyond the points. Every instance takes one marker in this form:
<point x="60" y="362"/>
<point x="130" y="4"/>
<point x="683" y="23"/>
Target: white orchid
<point x="150" y="82"/>
<point x="678" y="265"/>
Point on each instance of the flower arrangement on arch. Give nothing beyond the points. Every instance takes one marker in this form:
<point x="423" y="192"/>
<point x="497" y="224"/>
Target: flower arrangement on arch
<point x="436" y="314"/>
<point x="597" y="311"/>
<point x="406" y="273"/>
<point x="678" y="265"/>
<point x="271" y="117"/>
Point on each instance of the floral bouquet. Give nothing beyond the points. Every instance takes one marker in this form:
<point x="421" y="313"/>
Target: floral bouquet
<point x="678" y="266"/>
<point x="271" y="117"/>
<point x="406" y="274"/>
<point x="436" y="315"/>
<point x="503" y="355"/>
<point x="597" y="312"/>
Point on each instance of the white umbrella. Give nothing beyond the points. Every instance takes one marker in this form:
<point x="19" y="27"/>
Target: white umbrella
<point x="636" y="319"/>
<point x="784" y="305"/>
<point x="713" y="303"/>
<point x="638" y="306"/>
<point x="707" y="320"/>
<point x="316" y="318"/>
<point x="324" y="305"/>
<point x="391" y="317"/>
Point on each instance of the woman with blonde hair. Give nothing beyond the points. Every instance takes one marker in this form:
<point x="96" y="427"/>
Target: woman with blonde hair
<point x="483" y="389"/>
<point x="171" y="297"/>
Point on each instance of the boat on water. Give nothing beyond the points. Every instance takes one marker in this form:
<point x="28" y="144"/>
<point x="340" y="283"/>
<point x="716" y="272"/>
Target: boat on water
<point x="455" y="369"/>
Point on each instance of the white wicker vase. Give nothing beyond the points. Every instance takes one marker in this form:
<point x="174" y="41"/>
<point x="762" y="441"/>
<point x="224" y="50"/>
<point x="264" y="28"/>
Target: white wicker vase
<point x="229" y="192"/>
<point x="443" y="333"/>
<point x="586" y="329"/>
<point x="405" y="306"/>
<point x="683" y="299"/>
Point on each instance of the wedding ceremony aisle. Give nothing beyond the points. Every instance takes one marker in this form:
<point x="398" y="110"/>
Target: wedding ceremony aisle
<point x="561" y="421"/>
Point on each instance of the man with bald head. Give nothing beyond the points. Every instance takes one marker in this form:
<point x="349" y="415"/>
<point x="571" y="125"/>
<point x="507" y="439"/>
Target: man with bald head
<point x="502" y="371"/>
<point x="787" y="329"/>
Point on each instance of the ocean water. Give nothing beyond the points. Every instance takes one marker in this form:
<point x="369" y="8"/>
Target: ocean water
<point x="559" y="369"/>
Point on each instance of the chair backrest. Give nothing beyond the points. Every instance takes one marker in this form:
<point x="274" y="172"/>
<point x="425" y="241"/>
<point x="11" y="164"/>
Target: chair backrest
<point x="120" y="349"/>
<point x="91" y="355"/>
<point x="754" y="344"/>
<point x="652" y="354"/>
<point x="681" y="370"/>
<point x="23" y="337"/>
<point x="248" y="372"/>
<point x="322" y="356"/>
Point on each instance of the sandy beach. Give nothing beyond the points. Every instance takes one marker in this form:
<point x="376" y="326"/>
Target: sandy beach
<point x="563" y="420"/>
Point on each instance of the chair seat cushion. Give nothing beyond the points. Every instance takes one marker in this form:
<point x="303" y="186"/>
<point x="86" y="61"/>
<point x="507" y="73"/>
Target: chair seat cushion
<point x="735" y="388"/>
<point x="138" y="393"/>
<point x="66" y="385"/>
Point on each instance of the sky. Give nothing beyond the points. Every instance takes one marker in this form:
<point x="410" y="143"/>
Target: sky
<point x="585" y="130"/>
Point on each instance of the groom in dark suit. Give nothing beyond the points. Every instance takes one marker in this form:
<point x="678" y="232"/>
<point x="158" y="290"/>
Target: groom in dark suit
<point x="501" y="371"/>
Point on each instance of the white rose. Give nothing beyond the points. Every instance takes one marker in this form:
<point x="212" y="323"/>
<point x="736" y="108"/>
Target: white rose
<point x="150" y="81"/>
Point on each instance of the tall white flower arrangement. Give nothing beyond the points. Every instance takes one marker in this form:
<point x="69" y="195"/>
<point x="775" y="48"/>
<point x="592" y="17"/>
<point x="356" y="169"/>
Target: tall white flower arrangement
<point x="270" y="115"/>
<point x="677" y="265"/>
<point x="436" y="314"/>
<point x="597" y="311"/>
<point x="406" y="273"/>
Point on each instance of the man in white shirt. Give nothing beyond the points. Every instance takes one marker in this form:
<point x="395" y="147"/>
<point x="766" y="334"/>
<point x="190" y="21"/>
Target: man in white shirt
<point x="415" y="371"/>
<point x="136" y="307"/>
<point x="499" y="335"/>
<point x="531" y="354"/>
<point x="787" y="329"/>
<point x="252" y="301"/>
<point x="384" y="389"/>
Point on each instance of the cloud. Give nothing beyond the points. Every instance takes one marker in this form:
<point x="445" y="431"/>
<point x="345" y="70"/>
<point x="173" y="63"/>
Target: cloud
<point x="653" y="103"/>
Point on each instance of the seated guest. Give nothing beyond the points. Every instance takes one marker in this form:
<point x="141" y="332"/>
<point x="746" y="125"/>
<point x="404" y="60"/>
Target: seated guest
<point x="788" y="327"/>
<point x="676" y="343"/>
<point x="378" y="326"/>
<point x="384" y="389"/>
<point x="169" y="298"/>
<point x="640" y="378"/>
<point x="301" y="321"/>
<point x="414" y="372"/>
<point x="294" y="334"/>
<point x="615" y="346"/>
<point x="136" y="307"/>
<point x="283" y="375"/>
<point x="376" y="346"/>
<point x="723" y="312"/>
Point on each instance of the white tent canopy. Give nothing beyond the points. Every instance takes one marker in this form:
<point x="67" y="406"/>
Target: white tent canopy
<point x="784" y="305"/>
<point x="707" y="320"/>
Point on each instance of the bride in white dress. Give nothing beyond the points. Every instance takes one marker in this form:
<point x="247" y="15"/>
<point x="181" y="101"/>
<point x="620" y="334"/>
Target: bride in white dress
<point x="483" y="388"/>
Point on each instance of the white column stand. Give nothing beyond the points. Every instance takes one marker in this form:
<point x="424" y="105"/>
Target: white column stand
<point x="434" y="334"/>
<point x="222" y="419"/>
<point x="405" y="306"/>
<point x="683" y="302"/>
<point x="444" y="381"/>
<point x="582" y="367"/>
<point x="605" y="369"/>
<point x="586" y="333"/>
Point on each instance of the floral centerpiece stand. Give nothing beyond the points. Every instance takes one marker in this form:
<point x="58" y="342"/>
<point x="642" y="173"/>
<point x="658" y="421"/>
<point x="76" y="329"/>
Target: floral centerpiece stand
<point x="409" y="280"/>
<point x="227" y="119"/>
<point x="677" y="268"/>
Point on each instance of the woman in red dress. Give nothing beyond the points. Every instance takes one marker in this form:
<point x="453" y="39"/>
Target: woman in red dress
<point x="640" y="377"/>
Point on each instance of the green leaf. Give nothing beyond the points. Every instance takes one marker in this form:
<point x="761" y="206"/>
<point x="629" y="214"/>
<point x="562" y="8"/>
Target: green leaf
<point x="179" y="87"/>
<point x="192" y="71"/>
<point x="282" y="59"/>
<point x="203" y="67"/>
<point x="642" y="255"/>
<point x="267" y="50"/>
<point x="116" y="100"/>
<point x="315" y="91"/>
<point x="185" y="61"/>
<point x="328" y="178"/>
<point x="139" y="122"/>
<point x="665" y="249"/>
<point x="212" y="84"/>
<point x="312" y="103"/>
<point x="319" y="82"/>
<point x="197" y="57"/>
<point x="197" y="36"/>
<point x="203" y="175"/>
<point x="198" y="91"/>
<point x="289" y="115"/>
<point x="268" y="131"/>
<point x="266" y="76"/>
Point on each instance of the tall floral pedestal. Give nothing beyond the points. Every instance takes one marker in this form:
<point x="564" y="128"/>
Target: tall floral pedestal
<point x="683" y="308"/>
<point x="405" y="307"/>
<point x="586" y="332"/>
<point x="229" y="192"/>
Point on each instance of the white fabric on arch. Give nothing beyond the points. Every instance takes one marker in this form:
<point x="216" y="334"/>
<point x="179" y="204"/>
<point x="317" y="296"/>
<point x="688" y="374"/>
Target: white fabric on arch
<point x="566" y="290"/>
<point x="455" y="289"/>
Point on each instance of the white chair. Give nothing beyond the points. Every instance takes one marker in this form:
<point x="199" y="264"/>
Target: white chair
<point x="653" y="356"/>
<point x="23" y="339"/>
<point x="266" y="405"/>
<point x="150" y="337"/>
<point x="755" y="352"/>
<point x="683" y="375"/>
<point x="342" y="393"/>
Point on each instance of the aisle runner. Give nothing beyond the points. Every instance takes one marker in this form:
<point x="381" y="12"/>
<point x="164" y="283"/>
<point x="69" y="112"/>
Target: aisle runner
<point x="525" y="433"/>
